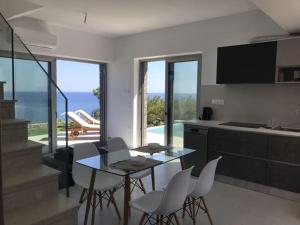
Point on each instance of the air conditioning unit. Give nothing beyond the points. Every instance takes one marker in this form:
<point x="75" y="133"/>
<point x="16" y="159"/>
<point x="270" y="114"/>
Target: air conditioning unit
<point x="36" y="38"/>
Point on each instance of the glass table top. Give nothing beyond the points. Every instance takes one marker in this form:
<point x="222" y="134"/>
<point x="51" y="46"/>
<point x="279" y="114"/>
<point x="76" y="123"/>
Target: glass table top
<point x="103" y="162"/>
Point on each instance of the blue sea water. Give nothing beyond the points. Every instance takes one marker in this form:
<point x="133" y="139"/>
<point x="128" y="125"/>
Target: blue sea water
<point x="78" y="100"/>
<point x="34" y="106"/>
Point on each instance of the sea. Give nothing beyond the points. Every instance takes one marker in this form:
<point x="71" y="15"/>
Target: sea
<point x="34" y="106"/>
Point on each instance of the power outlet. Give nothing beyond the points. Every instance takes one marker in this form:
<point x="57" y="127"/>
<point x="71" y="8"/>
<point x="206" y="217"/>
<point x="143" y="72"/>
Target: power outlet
<point x="217" y="101"/>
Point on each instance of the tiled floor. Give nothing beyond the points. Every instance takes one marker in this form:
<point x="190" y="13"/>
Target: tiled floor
<point x="229" y="205"/>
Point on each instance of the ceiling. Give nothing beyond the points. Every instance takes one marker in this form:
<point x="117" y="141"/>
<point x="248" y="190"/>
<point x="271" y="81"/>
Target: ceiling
<point x="115" y="18"/>
<point x="286" y="13"/>
<point x="121" y="17"/>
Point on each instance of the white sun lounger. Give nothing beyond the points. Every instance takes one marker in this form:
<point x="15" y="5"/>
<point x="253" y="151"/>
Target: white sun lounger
<point x="81" y="125"/>
<point x="87" y="116"/>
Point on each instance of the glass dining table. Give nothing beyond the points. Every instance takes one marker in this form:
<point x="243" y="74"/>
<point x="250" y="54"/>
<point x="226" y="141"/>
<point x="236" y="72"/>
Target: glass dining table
<point x="102" y="163"/>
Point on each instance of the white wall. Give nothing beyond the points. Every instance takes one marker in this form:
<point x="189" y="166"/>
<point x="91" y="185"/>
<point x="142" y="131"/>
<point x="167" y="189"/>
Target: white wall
<point x="79" y="45"/>
<point x="203" y="36"/>
<point x="70" y="43"/>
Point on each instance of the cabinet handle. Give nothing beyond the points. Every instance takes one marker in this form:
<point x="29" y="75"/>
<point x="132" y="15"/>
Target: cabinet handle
<point x="194" y="130"/>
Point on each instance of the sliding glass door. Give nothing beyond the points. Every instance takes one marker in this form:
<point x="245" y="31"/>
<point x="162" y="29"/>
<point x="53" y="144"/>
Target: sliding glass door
<point x="169" y="95"/>
<point x="154" y="107"/>
<point x="183" y="92"/>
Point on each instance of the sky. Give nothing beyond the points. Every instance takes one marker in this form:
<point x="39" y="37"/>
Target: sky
<point x="72" y="76"/>
<point x="75" y="76"/>
<point x="185" y="77"/>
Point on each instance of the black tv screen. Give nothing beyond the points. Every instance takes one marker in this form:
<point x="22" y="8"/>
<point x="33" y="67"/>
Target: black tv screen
<point x="251" y="63"/>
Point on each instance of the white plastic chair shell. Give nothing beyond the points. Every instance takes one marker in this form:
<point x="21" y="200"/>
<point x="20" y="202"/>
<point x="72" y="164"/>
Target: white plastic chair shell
<point x="206" y="179"/>
<point x="82" y="174"/>
<point x="175" y="193"/>
<point x="168" y="201"/>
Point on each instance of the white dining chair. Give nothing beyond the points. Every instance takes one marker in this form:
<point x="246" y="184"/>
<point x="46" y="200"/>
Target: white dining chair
<point x="198" y="189"/>
<point x="161" y="206"/>
<point x="118" y="144"/>
<point x="105" y="184"/>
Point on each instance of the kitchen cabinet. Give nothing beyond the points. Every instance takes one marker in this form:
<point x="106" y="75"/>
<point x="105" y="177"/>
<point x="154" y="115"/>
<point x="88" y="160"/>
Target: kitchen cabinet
<point x="284" y="149"/>
<point x="195" y="137"/>
<point x="243" y="143"/>
<point x="266" y="159"/>
<point x="283" y="176"/>
<point x="240" y="167"/>
<point x="288" y="53"/>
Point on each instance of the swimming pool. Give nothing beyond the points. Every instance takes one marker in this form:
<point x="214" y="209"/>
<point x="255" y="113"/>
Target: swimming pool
<point x="177" y="130"/>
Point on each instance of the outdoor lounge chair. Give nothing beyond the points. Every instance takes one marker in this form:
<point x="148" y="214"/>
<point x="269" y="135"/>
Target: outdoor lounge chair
<point x="80" y="125"/>
<point x="87" y="116"/>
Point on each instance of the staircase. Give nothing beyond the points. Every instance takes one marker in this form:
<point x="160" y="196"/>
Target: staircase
<point x="30" y="189"/>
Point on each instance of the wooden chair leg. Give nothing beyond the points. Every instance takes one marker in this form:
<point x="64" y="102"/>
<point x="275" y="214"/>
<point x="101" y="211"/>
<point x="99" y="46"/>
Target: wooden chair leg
<point x="190" y="206"/>
<point x="142" y="186"/>
<point x="161" y="220"/>
<point x="114" y="203"/>
<point x="82" y="196"/>
<point x="169" y="221"/>
<point x="94" y="208"/>
<point x="194" y="211"/>
<point x="176" y="219"/>
<point x="207" y="212"/>
<point x="143" y="218"/>
<point x="100" y="200"/>
<point x="184" y="208"/>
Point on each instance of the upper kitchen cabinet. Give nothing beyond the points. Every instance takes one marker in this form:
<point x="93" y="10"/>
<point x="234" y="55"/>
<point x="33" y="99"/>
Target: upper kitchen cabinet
<point x="244" y="64"/>
<point x="288" y="60"/>
<point x="288" y="52"/>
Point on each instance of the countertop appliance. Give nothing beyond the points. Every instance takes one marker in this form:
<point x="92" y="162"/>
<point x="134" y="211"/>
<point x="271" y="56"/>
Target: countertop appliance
<point x="207" y="113"/>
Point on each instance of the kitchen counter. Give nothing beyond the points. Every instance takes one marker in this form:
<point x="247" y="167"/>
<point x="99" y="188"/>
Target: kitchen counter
<point x="216" y="124"/>
<point x="257" y="155"/>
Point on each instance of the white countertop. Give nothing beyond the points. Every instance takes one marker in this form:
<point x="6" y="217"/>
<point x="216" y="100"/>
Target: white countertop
<point x="216" y="124"/>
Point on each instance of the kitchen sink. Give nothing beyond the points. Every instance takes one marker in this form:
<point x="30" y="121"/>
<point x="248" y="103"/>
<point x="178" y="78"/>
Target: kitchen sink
<point x="240" y="124"/>
<point x="287" y="129"/>
<point x="284" y="128"/>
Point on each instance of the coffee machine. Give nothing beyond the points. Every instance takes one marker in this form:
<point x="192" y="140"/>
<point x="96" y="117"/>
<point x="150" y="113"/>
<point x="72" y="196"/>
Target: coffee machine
<point x="207" y="113"/>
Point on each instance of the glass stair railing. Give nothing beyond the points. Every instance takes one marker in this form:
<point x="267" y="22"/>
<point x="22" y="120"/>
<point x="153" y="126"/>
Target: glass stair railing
<point x="38" y="98"/>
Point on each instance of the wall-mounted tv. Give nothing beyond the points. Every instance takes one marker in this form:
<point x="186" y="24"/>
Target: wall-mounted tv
<point x="250" y="63"/>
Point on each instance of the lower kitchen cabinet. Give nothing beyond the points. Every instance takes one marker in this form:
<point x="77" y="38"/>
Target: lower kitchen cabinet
<point x="283" y="176"/>
<point x="244" y="143"/>
<point x="195" y="138"/>
<point x="241" y="167"/>
<point x="284" y="149"/>
<point x="266" y="159"/>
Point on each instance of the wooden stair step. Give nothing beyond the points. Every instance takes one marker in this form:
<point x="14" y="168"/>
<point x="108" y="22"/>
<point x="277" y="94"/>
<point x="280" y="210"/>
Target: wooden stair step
<point x="13" y="131"/>
<point x="25" y="155"/>
<point x="7" y="109"/>
<point x="57" y="210"/>
<point x="2" y="89"/>
<point x="26" y="177"/>
<point x="16" y="147"/>
<point x="29" y="186"/>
